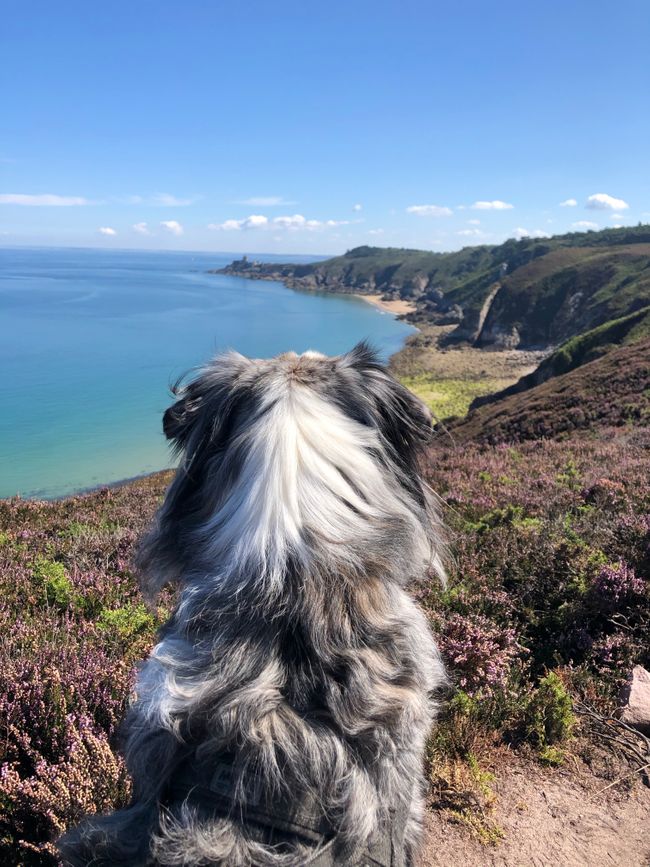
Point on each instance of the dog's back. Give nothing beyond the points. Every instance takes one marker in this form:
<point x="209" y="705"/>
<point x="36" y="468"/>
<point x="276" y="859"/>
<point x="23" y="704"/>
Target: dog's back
<point x="283" y="714"/>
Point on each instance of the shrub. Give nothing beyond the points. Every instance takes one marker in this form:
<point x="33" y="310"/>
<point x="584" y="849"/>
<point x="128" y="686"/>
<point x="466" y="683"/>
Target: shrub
<point x="546" y="578"/>
<point x="479" y="652"/>
<point x="54" y="580"/>
<point x="617" y="585"/>
<point x="126" y="622"/>
<point x="549" y="715"/>
<point x="38" y="808"/>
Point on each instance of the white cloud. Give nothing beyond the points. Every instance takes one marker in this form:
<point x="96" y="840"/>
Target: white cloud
<point x="617" y="216"/>
<point x="520" y="233"/>
<point x="429" y="210"/>
<point x="474" y="222"/>
<point x="106" y="230"/>
<point x="170" y="201"/>
<point x="265" y="201"/>
<point x="165" y="200"/>
<point x="141" y="229"/>
<point x="255" y="221"/>
<point x="469" y="232"/>
<point x="584" y="224"/>
<point x="293" y="222"/>
<point x="172" y="226"/>
<point x="357" y="207"/>
<point x="297" y="221"/>
<point x="569" y="203"/>
<point x="227" y="225"/>
<point x="375" y="231"/>
<point x="45" y="200"/>
<point x="603" y="202"/>
<point x="495" y="205"/>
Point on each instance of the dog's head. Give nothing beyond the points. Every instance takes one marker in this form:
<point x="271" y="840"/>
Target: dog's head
<point x="298" y="458"/>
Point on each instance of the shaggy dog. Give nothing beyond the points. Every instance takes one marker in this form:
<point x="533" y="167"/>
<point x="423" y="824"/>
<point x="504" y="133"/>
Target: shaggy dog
<point x="282" y="717"/>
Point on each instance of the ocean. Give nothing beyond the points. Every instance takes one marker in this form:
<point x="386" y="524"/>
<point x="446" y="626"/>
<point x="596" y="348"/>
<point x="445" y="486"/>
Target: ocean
<point x="90" y="341"/>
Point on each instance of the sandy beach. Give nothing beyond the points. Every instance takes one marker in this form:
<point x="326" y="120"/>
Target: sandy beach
<point x="398" y="307"/>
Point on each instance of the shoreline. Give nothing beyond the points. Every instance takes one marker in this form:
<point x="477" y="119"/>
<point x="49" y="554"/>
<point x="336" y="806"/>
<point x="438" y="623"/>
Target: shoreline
<point x="417" y="350"/>
<point x="398" y="307"/>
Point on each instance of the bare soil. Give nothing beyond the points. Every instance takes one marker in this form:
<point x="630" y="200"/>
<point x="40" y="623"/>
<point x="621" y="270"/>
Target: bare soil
<point x="558" y="817"/>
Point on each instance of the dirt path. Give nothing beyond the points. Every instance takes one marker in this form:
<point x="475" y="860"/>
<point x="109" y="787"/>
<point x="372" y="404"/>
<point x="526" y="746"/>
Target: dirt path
<point x="549" y="819"/>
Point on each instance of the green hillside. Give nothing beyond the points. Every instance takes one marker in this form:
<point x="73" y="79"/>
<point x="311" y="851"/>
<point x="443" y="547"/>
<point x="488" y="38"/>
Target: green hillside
<point x="530" y="293"/>
<point x="565" y="292"/>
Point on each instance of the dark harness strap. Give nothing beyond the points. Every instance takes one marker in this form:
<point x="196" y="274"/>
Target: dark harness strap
<point x="301" y="817"/>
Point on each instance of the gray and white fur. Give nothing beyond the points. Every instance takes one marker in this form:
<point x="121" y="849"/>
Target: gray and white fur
<point x="293" y="523"/>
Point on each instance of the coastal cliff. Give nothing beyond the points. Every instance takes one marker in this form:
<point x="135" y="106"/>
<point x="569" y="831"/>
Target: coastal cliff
<point x="527" y="294"/>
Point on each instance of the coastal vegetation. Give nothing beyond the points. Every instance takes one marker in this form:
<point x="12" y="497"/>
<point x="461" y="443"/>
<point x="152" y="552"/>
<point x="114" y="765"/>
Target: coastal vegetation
<point x="547" y="605"/>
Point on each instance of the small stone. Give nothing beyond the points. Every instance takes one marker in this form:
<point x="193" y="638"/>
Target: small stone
<point x="636" y="697"/>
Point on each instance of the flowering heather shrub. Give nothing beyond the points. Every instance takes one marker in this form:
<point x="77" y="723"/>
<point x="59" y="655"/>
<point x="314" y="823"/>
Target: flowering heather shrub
<point x="614" y="586"/>
<point x="551" y="555"/>
<point x="87" y="777"/>
<point x="610" y="655"/>
<point x="478" y="651"/>
<point x="72" y="628"/>
<point x="551" y="543"/>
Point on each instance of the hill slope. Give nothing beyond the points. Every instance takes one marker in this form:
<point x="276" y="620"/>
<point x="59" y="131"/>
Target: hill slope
<point x="580" y="350"/>
<point x="546" y="601"/>
<point x="613" y="390"/>
<point x="521" y="294"/>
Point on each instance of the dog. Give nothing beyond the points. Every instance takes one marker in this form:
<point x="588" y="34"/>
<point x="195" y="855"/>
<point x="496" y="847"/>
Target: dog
<point x="281" y="719"/>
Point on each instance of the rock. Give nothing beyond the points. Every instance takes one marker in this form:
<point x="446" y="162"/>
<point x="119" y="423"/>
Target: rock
<point x="452" y="316"/>
<point x="420" y="283"/>
<point x="501" y="338"/>
<point x="636" y="695"/>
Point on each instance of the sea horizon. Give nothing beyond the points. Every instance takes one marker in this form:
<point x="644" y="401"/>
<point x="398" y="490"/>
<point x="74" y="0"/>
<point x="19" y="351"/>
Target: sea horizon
<point x="92" y="339"/>
<point x="230" y="254"/>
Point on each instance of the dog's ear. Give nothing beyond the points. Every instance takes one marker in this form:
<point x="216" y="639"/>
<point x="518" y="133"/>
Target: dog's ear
<point x="205" y="400"/>
<point x="179" y="418"/>
<point x="404" y="421"/>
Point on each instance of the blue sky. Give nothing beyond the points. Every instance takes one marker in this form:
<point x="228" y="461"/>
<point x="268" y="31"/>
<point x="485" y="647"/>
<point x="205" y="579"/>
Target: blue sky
<point x="310" y="127"/>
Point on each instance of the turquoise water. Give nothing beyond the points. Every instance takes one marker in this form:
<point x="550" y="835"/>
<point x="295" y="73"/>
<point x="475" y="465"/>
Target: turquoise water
<point x="90" y="341"/>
